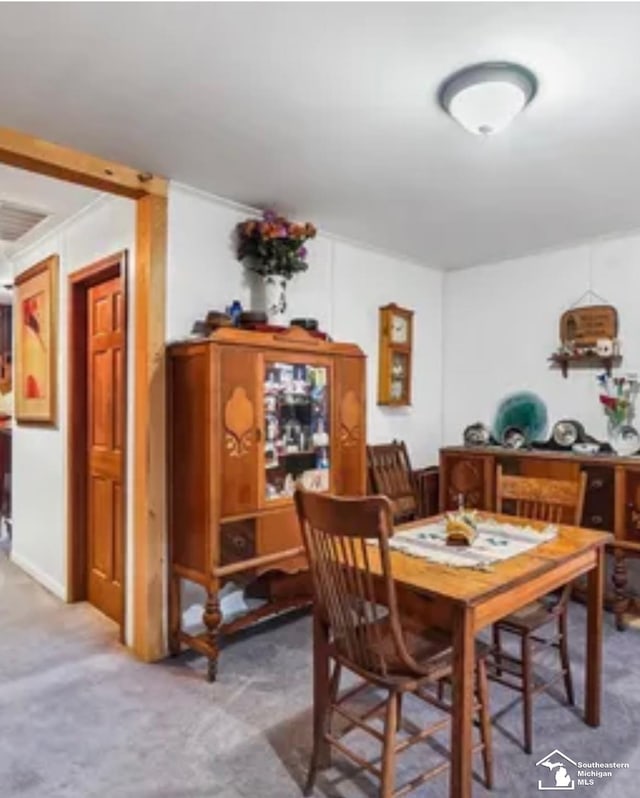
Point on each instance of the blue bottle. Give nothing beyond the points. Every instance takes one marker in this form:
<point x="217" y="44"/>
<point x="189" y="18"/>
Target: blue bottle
<point x="234" y="310"/>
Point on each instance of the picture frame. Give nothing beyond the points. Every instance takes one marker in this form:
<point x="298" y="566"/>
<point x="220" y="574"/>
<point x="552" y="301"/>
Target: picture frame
<point x="36" y="343"/>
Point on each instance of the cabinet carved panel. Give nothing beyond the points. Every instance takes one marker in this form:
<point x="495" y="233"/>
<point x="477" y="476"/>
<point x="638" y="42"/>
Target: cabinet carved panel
<point x="465" y="477"/>
<point x="239" y="423"/>
<point x="239" y="455"/>
<point x="350" y="475"/>
<point x="350" y="419"/>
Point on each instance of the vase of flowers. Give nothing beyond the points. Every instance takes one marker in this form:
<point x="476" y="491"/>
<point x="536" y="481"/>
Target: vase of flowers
<point x="274" y="248"/>
<point x="617" y="396"/>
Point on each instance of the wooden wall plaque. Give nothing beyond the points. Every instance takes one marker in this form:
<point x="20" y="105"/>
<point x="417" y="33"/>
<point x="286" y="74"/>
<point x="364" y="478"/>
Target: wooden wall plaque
<point x="585" y="325"/>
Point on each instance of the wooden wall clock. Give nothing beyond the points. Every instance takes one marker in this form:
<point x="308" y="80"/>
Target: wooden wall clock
<point x="395" y="355"/>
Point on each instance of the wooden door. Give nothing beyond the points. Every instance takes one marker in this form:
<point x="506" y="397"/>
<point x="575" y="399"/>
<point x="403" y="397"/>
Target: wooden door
<point x="106" y="438"/>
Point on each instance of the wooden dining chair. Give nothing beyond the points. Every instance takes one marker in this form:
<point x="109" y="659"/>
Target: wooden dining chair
<point x="391" y="475"/>
<point x="555" y="501"/>
<point x="346" y="541"/>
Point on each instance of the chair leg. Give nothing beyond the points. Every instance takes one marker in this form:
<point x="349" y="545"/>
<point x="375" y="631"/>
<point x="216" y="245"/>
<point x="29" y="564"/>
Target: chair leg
<point x="564" y="656"/>
<point x="527" y="687"/>
<point x="399" y="712"/>
<point x="318" y="734"/>
<point x="387" y="786"/>
<point x="485" y="723"/>
<point x="441" y="690"/>
<point x="497" y="648"/>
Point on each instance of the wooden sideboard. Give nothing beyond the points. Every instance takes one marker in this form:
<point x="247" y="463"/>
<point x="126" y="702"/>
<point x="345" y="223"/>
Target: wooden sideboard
<point x="248" y="414"/>
<point x="612" y="500"/>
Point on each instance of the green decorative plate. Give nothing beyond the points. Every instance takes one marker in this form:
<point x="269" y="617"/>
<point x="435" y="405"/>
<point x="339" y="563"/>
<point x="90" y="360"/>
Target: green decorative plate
<point x="525" y="411"/>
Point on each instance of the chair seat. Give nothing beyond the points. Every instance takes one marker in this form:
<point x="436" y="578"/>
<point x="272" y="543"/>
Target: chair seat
<point x="429" y="648"/>
<point x="532" y="616"/>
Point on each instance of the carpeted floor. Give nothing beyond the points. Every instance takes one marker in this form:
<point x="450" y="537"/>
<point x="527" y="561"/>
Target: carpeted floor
<point x="81" y="718"/>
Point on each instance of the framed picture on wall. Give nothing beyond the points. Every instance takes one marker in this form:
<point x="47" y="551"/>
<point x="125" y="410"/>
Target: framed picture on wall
<point x="36" y="345"/>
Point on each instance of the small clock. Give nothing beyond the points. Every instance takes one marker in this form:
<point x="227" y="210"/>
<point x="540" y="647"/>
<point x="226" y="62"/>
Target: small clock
<point x="399" y="329"/>
<point x="395" y="356"/>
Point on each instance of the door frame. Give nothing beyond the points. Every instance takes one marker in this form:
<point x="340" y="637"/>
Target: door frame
<point x="149" y="539"/>
<point x="79" y="283"/>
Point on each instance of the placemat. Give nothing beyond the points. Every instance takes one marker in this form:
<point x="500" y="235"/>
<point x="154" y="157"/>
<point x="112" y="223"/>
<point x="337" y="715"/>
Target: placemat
<point x="496" y="541"/>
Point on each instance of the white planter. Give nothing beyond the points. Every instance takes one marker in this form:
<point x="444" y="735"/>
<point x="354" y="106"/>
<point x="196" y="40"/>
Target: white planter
<point x="275" y="300"/>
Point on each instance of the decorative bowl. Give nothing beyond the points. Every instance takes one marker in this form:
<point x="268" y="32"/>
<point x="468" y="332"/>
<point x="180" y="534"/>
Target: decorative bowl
<point x="252" y="317"/>
<point x="217" y="319"/>
<point x="307" y="324"/>
<point x="586" y="448"/>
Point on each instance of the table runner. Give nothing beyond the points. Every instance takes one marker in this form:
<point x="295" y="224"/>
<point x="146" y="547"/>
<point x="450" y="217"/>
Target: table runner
<point x="496" y="541"/>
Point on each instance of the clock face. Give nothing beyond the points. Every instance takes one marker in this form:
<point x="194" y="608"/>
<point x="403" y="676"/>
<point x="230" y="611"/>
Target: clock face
<point x="399" y="330"/>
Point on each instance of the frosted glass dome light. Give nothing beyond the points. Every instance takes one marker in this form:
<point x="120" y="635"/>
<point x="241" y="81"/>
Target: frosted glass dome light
<point x="485" y="98"/>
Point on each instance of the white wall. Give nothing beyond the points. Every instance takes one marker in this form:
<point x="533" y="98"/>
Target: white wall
<point x="39" y="453"/>
<point x="501" y="324"/>
<point x="343" y="288"/>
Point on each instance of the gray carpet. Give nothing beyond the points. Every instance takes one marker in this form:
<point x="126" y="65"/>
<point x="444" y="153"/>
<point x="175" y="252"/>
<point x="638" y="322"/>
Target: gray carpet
<point x="80" y="717"/>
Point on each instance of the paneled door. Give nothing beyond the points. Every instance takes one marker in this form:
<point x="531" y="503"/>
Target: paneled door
<point x="105" y="439"/>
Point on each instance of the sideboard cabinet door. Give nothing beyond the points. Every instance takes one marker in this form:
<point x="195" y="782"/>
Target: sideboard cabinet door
<point x="631" y="514"/>
<point x="239" y="442"/>
<point x="467" y="476"/>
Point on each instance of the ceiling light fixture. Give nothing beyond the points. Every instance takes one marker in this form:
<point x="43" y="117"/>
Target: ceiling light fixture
<point x="485" y="98"/>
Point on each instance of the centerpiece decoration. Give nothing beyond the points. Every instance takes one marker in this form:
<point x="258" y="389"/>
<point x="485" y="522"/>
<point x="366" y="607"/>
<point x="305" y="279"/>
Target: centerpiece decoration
<point x="274" y="248"/>
<point x="461" y="527"/>
<point x="617" y="396"/>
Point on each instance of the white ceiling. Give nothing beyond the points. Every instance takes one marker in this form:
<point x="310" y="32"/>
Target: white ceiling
<point x="329" y="112"/>
<point x="57" y="199"/>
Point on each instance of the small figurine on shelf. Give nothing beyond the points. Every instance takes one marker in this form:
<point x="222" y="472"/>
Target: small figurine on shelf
<point x="320" y="436"/>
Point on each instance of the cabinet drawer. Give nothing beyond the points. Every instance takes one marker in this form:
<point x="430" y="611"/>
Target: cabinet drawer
<point x="237" y="541"/>
<point x="598" y="512"/>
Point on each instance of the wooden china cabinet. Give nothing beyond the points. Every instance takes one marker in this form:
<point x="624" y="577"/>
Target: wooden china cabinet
<point x="249" y="414"/>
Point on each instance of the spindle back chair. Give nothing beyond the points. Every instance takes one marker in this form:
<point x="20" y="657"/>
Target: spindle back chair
<point x="347" y="545"/>
<point x="555" y="501"/>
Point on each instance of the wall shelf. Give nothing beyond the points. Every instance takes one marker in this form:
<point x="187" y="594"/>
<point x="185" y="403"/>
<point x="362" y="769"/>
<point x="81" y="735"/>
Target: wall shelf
<point x="563" y="362"/>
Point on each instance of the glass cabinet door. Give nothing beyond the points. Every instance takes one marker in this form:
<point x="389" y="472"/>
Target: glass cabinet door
<point x="296" y="428"/>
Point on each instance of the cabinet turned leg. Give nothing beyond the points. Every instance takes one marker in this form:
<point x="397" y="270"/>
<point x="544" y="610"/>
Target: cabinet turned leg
<point x="212" y="618"/>
<point x="621" y="601"/>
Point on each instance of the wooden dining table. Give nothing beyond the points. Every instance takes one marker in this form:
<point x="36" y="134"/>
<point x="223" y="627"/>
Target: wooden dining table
<point x="465" y="601"/>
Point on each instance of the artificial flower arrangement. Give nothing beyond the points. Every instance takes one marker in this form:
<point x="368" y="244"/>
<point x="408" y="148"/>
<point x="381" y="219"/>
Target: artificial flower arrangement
<point x="617" y="396"/>
<point x="274" y="246"/>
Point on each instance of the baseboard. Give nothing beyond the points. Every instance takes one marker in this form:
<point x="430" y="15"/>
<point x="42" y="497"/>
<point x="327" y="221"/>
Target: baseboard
<point x="39" y="575"/>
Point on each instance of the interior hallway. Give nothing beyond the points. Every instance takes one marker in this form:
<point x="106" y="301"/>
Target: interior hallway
<point x="80" y="718"/>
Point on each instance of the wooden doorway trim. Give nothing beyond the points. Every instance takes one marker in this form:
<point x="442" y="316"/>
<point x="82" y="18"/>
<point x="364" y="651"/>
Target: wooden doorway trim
<point x="45" y="158"/>
<point x="148" y="553"/>
<point x="79" y="283"/>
